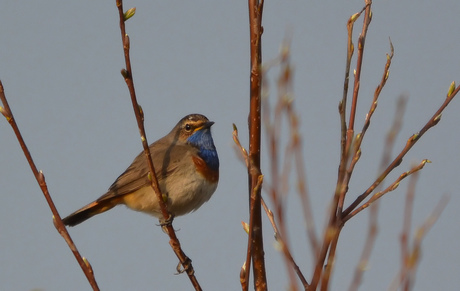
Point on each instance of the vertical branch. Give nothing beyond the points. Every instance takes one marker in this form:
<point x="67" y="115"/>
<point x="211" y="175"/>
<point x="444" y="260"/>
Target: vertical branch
<point x="255" y="241"/>
<point x="343" y="102"/>
<point x="407" y="221"/>
<point x="360" y="136"/>
<point x="373" y="215"/>
<point x="350" y="133"/>
<point x="40" y="177"/>
<point x="405" y="278"/>
<point x="167" y="223"/>
<point x="333" y="228"/>
<point x="359" y="62"/>
<point x="285" y="249"/>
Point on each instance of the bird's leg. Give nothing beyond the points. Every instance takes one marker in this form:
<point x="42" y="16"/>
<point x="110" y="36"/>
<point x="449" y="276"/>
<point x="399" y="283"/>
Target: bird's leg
<point x="185" y="267"/>
<point x="166" y="222"/>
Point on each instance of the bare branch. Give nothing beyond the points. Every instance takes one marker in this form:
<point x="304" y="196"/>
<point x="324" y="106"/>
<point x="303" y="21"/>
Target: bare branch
<point x="255" y="239"/>
<point x="411" y="259"/>
<point x="409" y="144"/>
<point x="390" y="188"/>
<point x="128" y="76"/>
<point x="40" y="177"/>
<point x="332" y="230"/>
<point x="283" y="246"/>
<point x="373" y="214"/>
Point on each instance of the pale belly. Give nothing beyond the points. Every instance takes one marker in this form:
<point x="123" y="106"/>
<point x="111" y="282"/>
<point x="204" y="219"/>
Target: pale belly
<point x="183" y="198"/>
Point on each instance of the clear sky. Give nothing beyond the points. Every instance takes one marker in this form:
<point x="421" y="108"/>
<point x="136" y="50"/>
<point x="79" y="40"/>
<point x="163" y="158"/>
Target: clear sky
<point x="60" y="63"/>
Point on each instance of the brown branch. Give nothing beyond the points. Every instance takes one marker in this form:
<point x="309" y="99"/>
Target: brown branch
<point x="343" y="103"/>
<point x="243" y="151"/>
<point x="279" y="177"/>
<point x="344" y="152"/>
<point x="284" y="247"/>
<point x="253" y="247"/>
<point x="406" y="274"/>
<point x="359" y="137"/>
<point x="373" y="214"/>
<point x="390" y="188"/>
<point x="452" y="92"/>
<point x="407" y="221"/>
<point x="244" y="273"/>
<point x="128" y="76"/>
<point x="255" y="239"/>
<point x="294" y="148"/>
<point x="359" y="62"/>
<point x="303" y="193"/>
<point x="332" y="229"/>
<point x="367" y="249"/>
<point x="40" y="177"/>
<point x="350" y="131"/>
<point x="325" y="278"/>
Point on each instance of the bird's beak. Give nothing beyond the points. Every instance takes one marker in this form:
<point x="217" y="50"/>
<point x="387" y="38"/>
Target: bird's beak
<point x="205" y="125"/>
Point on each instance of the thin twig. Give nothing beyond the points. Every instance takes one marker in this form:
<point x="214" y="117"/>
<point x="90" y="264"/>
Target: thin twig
<point x="412" y="260"/>
<point x="244" y="276"/>
<point x="40" y="177"/>
<point x="343" y="103"/>
<point x="294" y="148"/>
<point x="390" y="188"/>
<point x="128" y="76"/>
<point x="409" y="144"/>
<point x="350" y="140"/>
<point x="409" y="207"/>
<point x="279" y="177"/>
<point x="360" y="136"/>
<point x="373" y="213"/>
<point x="285" y="250"/>
<point x="361" y="41"/>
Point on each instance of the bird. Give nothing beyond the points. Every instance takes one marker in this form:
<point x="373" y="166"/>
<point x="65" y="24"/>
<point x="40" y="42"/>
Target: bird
<point x="186" y="166"/>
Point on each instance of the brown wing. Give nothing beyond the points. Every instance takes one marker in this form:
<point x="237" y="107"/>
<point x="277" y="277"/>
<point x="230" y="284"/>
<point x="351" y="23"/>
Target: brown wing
<point x="136" y="176"/>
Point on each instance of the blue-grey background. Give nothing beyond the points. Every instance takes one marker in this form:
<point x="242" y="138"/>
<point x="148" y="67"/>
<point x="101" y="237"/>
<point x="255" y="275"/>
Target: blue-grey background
<point x="60" y="63"/>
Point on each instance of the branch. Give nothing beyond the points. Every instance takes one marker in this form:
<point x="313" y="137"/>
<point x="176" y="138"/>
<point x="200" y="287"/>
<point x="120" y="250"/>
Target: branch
<point x="452" y="92"/>
<point x="255" y="239"/>
<point x="284" y="247"/>
<point x="332" y="229"/>
<point x="40" y="177"/>
<point x="360" y="136"/>
<point x="167" y="226"/>
<point x="356" y="143"/>
<point x="412" y="258"/>
<point x="373" y="214"/>
<point x="390" y="188"/>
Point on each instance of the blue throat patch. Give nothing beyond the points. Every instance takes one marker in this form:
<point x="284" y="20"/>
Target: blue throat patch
<point x="202" y="139"/>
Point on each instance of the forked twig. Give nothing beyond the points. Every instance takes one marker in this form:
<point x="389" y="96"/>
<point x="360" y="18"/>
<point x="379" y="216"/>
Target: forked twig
<point x="390" y="188"/>
<point x="406" y="275"/>
<point x="360" y="136"/>
<point x="332" y="230"/>
<point x="452" y="92"/>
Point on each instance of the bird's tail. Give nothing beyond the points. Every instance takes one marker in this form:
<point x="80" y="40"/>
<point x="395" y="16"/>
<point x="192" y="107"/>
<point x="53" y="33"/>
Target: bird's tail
<point x="88" y="211"/>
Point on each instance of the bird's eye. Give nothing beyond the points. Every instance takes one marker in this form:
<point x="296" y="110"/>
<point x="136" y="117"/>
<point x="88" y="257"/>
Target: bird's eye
<point x="188" y="127"/>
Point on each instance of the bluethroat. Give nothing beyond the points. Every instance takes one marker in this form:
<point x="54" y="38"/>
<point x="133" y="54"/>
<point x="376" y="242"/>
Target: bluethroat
<point x="187" y="168"/>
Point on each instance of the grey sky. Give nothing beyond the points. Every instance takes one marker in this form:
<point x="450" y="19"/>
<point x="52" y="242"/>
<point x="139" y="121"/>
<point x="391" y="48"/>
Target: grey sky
<point x="60" y="64"/>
